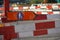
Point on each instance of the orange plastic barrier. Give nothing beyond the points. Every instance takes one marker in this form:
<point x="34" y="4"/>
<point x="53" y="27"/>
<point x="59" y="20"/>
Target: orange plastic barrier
<point x="28" y="15"/>
<point x="12" y="16"/>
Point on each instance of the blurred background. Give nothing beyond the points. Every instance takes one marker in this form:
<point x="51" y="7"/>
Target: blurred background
<point x="29" y="2"/>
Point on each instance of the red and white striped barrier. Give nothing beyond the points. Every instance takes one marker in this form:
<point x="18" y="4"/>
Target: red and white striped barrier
<point x="38" y="33"/>
<point x="30" y="29"/>
<point x="33" y="29"/>
<point x="9" y="34"/>
<point x="36" y="26"/>
<point x="38" y="6"/>
<point x="51" y="12"/>
<point x="47" y="6"/>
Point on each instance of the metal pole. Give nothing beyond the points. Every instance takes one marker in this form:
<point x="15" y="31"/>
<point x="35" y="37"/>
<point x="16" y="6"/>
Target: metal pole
<point x="6" y="6"/>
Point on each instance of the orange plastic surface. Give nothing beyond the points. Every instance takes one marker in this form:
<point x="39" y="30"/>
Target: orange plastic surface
<point x="12" y="16"/>
<point x="28" y="15"/>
